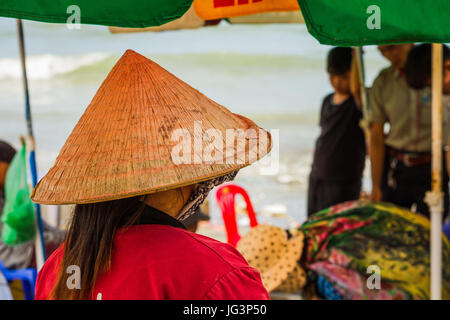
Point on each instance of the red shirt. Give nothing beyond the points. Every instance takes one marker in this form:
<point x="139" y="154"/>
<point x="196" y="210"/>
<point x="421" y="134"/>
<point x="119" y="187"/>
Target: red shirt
<point x="153" y="261"/>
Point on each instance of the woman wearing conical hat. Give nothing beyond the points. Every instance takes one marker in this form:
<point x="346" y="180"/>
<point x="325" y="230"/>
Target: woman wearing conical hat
<point x="141" y="159"/>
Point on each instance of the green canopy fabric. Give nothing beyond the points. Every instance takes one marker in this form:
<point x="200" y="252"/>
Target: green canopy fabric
<point x="366" y="22"/>
<point x="118" y="13"/>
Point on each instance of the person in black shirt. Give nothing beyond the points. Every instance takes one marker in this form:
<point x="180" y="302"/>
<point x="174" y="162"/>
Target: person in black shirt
<point x="340" y="150"/>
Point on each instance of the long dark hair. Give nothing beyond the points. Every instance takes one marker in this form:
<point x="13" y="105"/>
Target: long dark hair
<point x="89" y="243"/>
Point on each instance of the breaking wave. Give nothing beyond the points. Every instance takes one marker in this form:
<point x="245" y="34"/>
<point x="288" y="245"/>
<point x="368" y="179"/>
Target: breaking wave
<point x="48" y="66"/>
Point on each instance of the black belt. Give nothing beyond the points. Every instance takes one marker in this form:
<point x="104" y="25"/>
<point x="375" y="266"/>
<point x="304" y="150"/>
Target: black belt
<point x="410" y="159"/>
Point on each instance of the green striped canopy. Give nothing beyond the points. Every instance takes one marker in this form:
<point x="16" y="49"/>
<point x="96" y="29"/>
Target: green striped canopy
<point x="119" y="13"/>
<point x="365" y="22"/>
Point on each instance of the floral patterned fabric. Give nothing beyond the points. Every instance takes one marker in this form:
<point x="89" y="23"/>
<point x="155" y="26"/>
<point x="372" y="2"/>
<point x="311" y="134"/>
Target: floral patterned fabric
<point x="344" y="240"/>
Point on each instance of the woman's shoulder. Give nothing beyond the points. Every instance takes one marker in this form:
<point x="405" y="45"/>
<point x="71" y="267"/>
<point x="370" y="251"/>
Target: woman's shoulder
<point x="149" y="259"/>
<point x="47" y="275"/>
<point x="180" y="243"/>
<point x="221" y="250"/>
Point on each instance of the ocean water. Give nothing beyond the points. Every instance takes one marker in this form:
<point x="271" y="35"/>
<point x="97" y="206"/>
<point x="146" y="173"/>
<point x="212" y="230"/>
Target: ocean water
<point x="274" y="74"/>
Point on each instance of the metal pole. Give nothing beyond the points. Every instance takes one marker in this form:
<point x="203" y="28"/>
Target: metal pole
<point x="39" y="243"/>
<point x="362" y="78"/>
<point x="435" y="197"/>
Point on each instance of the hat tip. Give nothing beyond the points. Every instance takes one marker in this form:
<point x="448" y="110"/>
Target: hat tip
<point x="130" y="51"/>
<point x="133" y="55"/>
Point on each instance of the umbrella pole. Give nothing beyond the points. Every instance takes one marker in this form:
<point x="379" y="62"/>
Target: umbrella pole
<point x="434" y="198"/>
<point x="362" y="78"/>
<point x="365" y="107"/>
<point x="39" y="242"/>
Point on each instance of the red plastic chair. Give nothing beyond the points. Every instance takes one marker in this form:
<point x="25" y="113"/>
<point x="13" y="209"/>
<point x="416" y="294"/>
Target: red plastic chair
<point x="225" y="197"/>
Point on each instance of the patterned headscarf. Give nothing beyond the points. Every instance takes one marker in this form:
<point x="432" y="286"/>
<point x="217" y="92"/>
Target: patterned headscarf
<point x="201" y="193"/>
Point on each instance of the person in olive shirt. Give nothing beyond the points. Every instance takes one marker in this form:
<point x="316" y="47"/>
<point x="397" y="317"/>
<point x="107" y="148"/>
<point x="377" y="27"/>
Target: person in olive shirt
<point x="401" y="158"/>
<point x="340" y="150"/>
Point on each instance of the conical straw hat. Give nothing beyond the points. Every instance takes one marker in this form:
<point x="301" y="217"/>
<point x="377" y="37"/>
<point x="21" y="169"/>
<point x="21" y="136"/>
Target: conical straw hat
<point x="146" y="131"/>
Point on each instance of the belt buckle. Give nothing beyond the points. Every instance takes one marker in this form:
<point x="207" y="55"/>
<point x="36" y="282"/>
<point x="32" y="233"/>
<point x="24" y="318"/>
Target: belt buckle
<point x="408" y="160"/>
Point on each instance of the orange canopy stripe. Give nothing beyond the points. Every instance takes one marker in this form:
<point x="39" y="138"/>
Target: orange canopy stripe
<point x="218" y="9"/>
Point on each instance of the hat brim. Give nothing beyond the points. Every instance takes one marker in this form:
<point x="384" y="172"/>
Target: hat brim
<point x="43" y="198"/>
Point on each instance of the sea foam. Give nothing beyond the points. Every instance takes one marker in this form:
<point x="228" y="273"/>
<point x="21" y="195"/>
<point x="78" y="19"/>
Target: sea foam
<point x="47" y="66"/>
